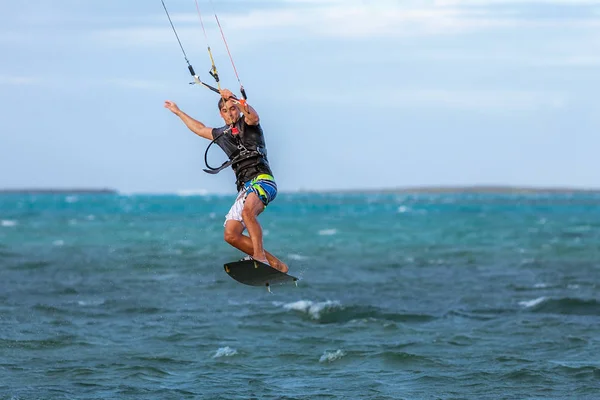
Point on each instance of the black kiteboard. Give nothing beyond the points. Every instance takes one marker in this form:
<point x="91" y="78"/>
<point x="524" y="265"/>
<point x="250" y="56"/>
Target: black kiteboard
<point x="255" y="273"/>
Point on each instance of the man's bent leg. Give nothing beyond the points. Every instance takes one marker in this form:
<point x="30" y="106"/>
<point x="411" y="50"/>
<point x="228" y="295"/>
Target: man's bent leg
<point x="235" y="237"/>
<point x="253" y="206"/>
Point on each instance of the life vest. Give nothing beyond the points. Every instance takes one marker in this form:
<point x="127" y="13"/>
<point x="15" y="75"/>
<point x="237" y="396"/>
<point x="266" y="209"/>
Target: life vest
<point x="242" y="159"/>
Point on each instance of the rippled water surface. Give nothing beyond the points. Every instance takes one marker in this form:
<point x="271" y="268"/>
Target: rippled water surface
<point x="401" y="297"/>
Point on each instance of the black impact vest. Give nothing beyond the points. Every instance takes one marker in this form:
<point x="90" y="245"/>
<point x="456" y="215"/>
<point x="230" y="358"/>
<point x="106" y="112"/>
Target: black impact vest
<point x="246" y="149"/>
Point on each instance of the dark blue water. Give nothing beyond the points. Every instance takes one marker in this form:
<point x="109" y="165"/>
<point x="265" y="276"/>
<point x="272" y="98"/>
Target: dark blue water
<point x="448" y="296"/>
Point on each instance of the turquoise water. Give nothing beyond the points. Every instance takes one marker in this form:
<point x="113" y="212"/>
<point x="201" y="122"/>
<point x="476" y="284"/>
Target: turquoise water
<point x="448" y="296"/>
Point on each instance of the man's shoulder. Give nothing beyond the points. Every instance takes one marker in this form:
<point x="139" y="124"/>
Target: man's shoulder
<point x="221" y="128"/>
<point x="255" y="127"/>
<point x="216" y="132"/>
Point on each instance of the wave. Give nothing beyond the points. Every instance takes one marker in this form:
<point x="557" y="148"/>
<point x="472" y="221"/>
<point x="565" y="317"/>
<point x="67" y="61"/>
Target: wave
<point x="329" y="311"/>
<point x="162" y="360"/>
<point x="225" y="352"/>
<point x="532" y="303"/>
<point x="143" y="372"/>
<point x="30" y="265"/>
<point x="578" y="370"/>
<point x="54" y="342"/>
<point x="8" y="254"/>
<point x="331" y="356"/>
<point x="483" y="314"/>
<point x="327" y="232"/>
<point x="192" y="192"/>
<point x="407" y="359"/>
<point x="541" y="286"/>
<point x="567" y="306"/>
<point x="524" y="375"/>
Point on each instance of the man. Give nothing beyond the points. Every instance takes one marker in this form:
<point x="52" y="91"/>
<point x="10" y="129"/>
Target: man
<point x="243" y="141"/>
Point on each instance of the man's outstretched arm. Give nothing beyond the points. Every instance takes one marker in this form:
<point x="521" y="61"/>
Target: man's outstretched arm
<point x="194" y="125"/>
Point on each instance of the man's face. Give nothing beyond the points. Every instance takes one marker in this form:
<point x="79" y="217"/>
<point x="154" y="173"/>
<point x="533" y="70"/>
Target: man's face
<point x="230" y="112"/>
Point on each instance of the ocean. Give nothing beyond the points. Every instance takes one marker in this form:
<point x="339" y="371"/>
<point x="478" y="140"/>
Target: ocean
<point x="401" y="296"/>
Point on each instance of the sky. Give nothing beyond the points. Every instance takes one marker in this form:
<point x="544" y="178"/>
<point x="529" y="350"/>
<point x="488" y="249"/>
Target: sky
<point x="351" y="94"/>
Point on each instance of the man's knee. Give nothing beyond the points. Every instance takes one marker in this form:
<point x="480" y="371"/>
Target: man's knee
<point x="231" y="236"/>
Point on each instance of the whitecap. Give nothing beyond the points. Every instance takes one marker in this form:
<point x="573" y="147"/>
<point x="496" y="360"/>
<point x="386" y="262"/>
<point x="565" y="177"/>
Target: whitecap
<point x="540" y="286"/>
<point x="330" y="356"/>
<point x="71" y="199"/>
<point x="297" y="257"/>
<point x="532" y="303"/>
<point x="313" y="309"/>
<point x="582" y="228"/>
<point x="572" y="286"/>
<point x="192" y="192"/>
<point x="85" y="303"/>
<point x="225" y="352"/>
<point x="327" y="232"/>
<point x="58" y="243"/>
<point x="402" y="209"/>
<point x="8" y="223"/>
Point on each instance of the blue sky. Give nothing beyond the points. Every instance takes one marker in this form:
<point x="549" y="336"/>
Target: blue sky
<point x="351" y="94"/>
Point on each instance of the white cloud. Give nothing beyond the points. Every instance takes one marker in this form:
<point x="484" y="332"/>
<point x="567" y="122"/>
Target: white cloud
<point x="352" y="19"/>
<point x="492" y="100"/>
<point x="492" y="2"/>
<point x="18" y="80"/>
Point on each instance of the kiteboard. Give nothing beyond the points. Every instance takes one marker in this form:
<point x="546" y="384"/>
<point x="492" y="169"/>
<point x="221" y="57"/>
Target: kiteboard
<point x="255" y="273"/>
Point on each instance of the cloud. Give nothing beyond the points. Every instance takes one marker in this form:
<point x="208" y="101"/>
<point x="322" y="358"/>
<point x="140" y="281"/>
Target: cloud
<point x="492" y="100"/>
<point x="80" y="82"/>
<point x="511" y="2"/>
<point x="351" y="19"/>
<point x="18" y="80"/>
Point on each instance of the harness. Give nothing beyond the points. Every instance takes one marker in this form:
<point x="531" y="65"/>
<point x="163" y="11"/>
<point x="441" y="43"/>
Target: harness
<point x="241" y="154"/>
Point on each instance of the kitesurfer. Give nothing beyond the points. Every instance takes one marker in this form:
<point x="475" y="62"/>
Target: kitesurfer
<point x="242" y="139"/>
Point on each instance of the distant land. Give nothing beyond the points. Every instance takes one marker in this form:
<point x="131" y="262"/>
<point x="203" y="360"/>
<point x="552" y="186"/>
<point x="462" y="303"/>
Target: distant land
<point x="58" y="191"/>
<point x="477" y="189"/>
<point x="499" y="189"/>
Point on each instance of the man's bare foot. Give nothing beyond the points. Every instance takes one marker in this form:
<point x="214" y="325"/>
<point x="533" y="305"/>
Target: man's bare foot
<point x="281" y="267"/>
<point x="270" y="260"/>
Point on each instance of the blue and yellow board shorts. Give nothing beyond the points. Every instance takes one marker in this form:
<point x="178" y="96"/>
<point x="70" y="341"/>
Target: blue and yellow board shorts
<point x="265" y="188"/>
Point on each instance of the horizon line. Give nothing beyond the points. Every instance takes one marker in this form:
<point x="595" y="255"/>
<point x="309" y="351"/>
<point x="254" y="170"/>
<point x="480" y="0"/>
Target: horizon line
<point x="476" y="188"/>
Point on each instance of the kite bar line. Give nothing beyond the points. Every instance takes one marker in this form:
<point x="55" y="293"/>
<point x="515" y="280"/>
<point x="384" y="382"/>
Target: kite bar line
<point x="213" y="70"/>
<point x="197" y="79"/>
<point x="229" y="53"/>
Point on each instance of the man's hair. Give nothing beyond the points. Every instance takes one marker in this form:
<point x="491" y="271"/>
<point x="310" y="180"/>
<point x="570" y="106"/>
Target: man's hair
<point x="221" y="103"/>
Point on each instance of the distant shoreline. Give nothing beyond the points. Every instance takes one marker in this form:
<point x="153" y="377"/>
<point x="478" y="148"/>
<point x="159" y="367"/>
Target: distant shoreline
<point x="59" y="191"/>
<point x="483" y="189"/>
<point x="473" y="189"/>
